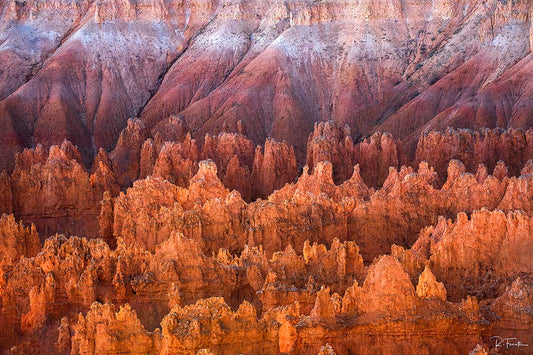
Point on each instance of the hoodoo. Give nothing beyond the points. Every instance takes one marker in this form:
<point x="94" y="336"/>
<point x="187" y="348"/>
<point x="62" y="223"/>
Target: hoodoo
<point x="266" y="177"/>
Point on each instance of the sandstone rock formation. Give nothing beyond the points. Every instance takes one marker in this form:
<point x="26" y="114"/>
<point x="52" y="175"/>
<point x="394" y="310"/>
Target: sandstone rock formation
<point x="210" y="324"/>
<point x="274" y="166"/>
<point x="494" y="247"/>
<point x="293" y="272"/>
<point x="265" y="177"/>
<point x="513" y="147"/>
<point x="253" y="171"/>
<point x="126" y="155"/>
<point x="6" y="193"/>
<point x="53" y="190"/>
<point x="17" y="240"/>
<point x="375" y="155"/>
<point x="207" y="212"/>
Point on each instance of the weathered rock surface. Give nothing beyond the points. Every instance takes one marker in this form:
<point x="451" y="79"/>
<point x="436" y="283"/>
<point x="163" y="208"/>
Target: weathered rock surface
<point x="293" y="272"/>
<point x="314" y="208"/>
<point x="494" y="247"/>
<point x="487" y="147"/>
<point x="375" y="155"/>
<point x="126" y="156"/>
<point x="6" y="193"/>
<point x="53" y="190"/>
<point x="274" y="166"/>
<point x="42" y="295"/>
<point x="190" y="222"/>
<point x="17" y="240"/>
<point x="211" y="324"/>
<point x="253" y="171"/>
<point x="96" y="69"/>
<point x="407" y="68"/>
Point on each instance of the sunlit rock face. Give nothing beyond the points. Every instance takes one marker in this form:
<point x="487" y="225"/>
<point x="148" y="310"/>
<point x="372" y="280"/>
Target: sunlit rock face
<point x="164" y="268"/>
<point x="266" y="177"/>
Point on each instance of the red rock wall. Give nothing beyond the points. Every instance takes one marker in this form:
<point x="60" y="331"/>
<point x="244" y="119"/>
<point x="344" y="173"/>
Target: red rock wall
<point x="375" y="155"/>
<point x="487" y="147"/>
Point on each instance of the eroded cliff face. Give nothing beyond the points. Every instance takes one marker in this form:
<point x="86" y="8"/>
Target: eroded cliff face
<point x="17" y="240"/>
<point x="206" y="177"/>
<point x="94" y="71"/>
<point x="259" y="68"/>
<point x="495" y="248"/>
<point x="197" y="200"/>
<point x="173" y="154"/>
